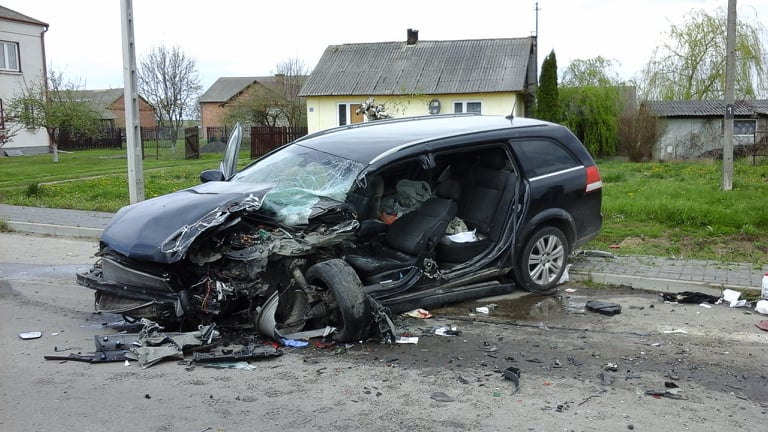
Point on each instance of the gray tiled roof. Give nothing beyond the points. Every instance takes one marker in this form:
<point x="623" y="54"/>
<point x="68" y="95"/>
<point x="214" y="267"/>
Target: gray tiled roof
<point x="427" y="67"/>
<point x="227" y="87"/>
<point x="706" y="108"/>
<point x="100" y="99"/>
<point x="12" y="15"/>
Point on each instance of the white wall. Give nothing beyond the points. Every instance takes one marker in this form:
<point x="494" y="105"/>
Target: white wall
<point x="690" y="137"/>
<point x="31" y="56"/>
<point x="322" y="111"/>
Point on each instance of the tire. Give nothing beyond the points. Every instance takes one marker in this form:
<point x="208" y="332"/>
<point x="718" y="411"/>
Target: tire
<point x="351" y="312"/>
<point x="543" y="260"/>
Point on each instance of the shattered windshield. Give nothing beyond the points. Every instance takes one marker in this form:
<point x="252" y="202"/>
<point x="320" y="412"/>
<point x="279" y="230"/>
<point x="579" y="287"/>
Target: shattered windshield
<point x="301" y="177"/>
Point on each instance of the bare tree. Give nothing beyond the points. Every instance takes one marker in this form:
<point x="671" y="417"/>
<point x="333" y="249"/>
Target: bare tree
<point x="56" y="105"/>
<point x="169" y="80"/>
<point x="291" y="75"/>
<point x="274" y="102"/>
<point x="690" y="65"/>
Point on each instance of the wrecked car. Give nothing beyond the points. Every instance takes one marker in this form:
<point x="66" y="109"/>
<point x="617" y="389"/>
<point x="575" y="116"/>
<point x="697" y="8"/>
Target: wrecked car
<point x="342" y="227"/>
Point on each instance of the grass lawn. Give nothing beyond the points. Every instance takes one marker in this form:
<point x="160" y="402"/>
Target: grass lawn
<point x="665" y="209"/>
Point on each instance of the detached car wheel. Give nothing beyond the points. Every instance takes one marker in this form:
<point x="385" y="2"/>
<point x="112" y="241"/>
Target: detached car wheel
<point x="543" y="260"/>
<point x="350" y="310"/>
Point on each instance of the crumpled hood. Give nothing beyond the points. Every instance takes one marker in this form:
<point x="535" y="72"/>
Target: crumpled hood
<point x="142" y="231"/>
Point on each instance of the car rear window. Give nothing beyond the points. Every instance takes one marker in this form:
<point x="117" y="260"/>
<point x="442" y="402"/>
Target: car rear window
<point x="542" y="156"/>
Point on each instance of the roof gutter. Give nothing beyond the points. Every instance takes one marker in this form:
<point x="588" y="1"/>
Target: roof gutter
<point x="45" y="71"/>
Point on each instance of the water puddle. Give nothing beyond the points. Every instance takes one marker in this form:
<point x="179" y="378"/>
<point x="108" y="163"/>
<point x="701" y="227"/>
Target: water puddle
<point x="530" y="307"/>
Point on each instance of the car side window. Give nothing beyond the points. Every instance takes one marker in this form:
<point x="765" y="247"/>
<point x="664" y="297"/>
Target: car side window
<point x="541" y="157"/>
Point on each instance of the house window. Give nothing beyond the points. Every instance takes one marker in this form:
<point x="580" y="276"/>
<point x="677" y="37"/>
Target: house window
<point x="9" y="56"/>
<point x="467" y="107"/>
<point x="348" y="114"/>
<point x="744" y="127"/>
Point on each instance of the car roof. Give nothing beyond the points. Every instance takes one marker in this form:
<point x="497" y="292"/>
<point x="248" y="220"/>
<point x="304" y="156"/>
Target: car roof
<point x="364" y="142"/>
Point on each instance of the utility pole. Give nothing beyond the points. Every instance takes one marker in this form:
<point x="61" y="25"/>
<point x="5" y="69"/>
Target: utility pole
<point x="730" y="74"/>
<point x="131" y="98"/>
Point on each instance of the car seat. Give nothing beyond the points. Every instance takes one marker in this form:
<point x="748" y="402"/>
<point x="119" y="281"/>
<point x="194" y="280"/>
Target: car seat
<point x="488" y="188"/>
<point x="410" y="238"/>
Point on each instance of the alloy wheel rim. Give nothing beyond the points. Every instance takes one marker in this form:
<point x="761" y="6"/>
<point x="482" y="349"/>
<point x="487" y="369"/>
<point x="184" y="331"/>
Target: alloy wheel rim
<point x="546" y="259"/>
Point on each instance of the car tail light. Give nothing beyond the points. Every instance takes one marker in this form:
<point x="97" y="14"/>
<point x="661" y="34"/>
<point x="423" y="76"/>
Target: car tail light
<point x="594" y="182"/>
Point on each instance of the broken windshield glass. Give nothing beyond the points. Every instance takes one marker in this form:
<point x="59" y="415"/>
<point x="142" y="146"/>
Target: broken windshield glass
<point x="301" y="177"/>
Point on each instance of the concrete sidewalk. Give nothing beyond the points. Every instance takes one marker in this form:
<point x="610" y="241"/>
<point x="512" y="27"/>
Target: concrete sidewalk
<point x="642" y="272"/>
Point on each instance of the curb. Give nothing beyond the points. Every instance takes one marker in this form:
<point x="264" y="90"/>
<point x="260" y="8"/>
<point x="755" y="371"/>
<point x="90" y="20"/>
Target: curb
<point x="55" y="230"/>
<point x="657" y="284"/>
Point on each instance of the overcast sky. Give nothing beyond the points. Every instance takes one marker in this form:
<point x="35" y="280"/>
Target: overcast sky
<point x="249" y="38"/>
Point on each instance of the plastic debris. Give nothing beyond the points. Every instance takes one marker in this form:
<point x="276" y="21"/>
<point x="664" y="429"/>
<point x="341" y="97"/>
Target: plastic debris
<point x="30" y="335"/>
<point x="732" y="298"/>
<point x="681" y="331"/>
<point x="448" y="331"/>
<point x="418" y="313"/>
<point x="513" y="374"/>
<point x="762" y="307"/>
<point x="485" y="310"/>
<point x="672" y="393"/>
<point x="565" y="278"/>
<point x="294" y="343"/>
<point x="602" y="307"/>
<point x="407" y="339"/>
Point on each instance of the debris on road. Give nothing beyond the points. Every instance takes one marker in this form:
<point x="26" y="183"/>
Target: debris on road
<point x="448" y="331"/>
<point x="485" y="310"/>
<point x="407" y="339"/>
<point x="30" y="335"/>
<point x="513" y="374"/>
<point x="418" y="313"/>
<point x="762" y="325"/>
<point x="603" y="307"/>
<point x="732" y="298"/>
<point x="690" y="297"/>
<point x="762" y="307"/>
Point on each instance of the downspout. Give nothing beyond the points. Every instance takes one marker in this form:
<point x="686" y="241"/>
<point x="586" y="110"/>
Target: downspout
<point x="45" y="83"/>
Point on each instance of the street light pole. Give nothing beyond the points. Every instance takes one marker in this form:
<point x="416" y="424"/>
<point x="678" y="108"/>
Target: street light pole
<point x="131" y="98"/>
<point x="730" y="78"/>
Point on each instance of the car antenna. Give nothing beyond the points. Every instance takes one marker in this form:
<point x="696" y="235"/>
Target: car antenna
<point x="511" y="115"/>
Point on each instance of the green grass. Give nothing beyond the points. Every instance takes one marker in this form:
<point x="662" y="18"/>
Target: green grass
<point x="663" y="209"/>
<point x="679" y="209"/>
<point x="95" y="179"/>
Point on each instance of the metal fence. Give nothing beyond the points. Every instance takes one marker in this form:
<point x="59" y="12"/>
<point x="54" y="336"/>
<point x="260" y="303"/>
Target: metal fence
<point x="262" y="139"/>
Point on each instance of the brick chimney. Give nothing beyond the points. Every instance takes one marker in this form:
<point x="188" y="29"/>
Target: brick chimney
<point x="413" y="37"/>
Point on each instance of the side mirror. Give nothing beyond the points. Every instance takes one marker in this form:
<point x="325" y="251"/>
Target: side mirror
<point x="211" y="175"/>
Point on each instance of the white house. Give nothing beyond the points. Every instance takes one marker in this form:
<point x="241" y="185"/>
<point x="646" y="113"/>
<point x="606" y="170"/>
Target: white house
<point x="22" y="58"/>
<point x="414" y="77"/>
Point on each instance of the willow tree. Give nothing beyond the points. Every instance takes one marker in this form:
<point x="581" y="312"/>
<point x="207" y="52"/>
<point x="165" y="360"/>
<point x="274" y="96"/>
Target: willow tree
<point x="690" y="64"/>
<point x="547" y="98"/>
<point x="591" y="100"/>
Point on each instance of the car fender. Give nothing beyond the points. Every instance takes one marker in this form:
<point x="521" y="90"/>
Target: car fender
<point x="553" y="216"/>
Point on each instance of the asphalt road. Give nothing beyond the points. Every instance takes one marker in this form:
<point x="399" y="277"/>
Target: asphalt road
<point x="580" y="371"/>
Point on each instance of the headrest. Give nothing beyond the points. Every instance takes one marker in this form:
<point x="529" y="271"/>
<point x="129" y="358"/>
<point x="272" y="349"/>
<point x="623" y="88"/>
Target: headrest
<point x="449" y="189"/>
<point x="493" y="158"/>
